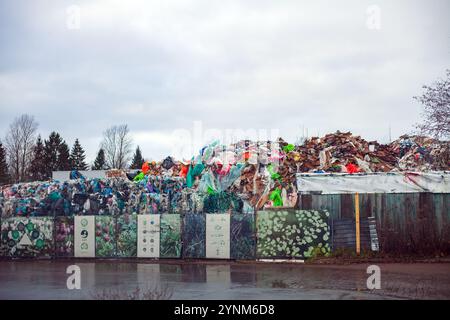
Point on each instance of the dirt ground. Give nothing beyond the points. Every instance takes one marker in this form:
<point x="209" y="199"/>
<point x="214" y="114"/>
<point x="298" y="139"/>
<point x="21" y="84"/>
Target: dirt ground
<point x="173" y="279"/>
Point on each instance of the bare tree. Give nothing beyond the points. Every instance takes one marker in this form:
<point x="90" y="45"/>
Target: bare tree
<point x="20" y="141"/>
<point x="117" y="144"/>
<point x="436" y="102"/>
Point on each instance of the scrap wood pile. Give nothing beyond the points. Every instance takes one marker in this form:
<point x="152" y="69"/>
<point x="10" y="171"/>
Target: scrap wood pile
<point x="237" y="177"/>
<point x="342" y="152"/>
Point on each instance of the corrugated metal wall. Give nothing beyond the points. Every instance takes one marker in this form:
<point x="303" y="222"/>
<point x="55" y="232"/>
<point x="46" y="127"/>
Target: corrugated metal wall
<point x="406" y="222"/>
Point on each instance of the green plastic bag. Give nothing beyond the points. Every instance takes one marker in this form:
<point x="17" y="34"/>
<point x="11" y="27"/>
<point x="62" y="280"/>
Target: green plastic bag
<point x="275" y="196"/>
<point x="273" y="175"/>
<point x="192" y="173"/>
<point x="290" y="147"/>
<point x="139" y="177"/>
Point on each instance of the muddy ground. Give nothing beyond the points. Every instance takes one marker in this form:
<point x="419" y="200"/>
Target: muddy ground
<point x="222" y="280"/>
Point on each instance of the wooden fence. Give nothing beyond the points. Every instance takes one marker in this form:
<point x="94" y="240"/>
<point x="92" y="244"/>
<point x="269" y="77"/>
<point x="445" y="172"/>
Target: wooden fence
<point x="406" y="222"/>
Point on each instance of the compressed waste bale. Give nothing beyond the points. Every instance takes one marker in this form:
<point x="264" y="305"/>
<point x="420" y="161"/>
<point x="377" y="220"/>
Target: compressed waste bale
<point x="222" y="202"/>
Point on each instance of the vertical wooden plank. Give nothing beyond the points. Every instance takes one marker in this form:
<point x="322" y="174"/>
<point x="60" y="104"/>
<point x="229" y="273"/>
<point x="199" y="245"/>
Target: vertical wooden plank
<point x="347" y="206"/>
<point x="336" y="206"/>
<point x="329" y="202"/>
<point x="365" y="204"/>
<point x="431" y="224"/>
<point x="306" y="201"/>
<point x="438" y="204"/>
<point x="378" y="208"/>
<point x="358" y="235"/>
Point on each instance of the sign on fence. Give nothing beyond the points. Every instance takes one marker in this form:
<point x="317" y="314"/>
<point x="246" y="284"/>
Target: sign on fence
<point x="218" y="236"/>
<point x="85" y="236"/>
<point x="148" y="236"/>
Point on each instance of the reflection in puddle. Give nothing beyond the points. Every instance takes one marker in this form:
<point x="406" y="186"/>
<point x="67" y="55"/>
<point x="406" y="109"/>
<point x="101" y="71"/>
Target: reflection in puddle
<point x="197" y="280"/>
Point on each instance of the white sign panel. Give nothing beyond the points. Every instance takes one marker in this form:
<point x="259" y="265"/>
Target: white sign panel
<point x="218" y="236"/>
<point x="85" y="236"/>
<point x="148" y="236"/>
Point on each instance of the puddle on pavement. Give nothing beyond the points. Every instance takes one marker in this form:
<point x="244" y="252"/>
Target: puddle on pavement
<point x="192" y="278"/>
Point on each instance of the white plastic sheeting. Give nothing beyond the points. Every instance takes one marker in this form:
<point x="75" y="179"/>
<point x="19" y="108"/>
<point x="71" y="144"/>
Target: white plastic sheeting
<point x="88" y="174"/>
<point x="405" y="182"/>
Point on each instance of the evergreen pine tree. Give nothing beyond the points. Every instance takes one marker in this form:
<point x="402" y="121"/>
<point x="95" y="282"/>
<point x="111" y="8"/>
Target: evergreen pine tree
<point x="63" y="157"/>
<point x="51" y="147"/>
<point x="38" y="163"/>
<point x="100" y="163"/>
<point x="4" y="174"/>
<point x="57" y="154"/>
<point x="77" y="157"/>
<point x="138" y="160"/>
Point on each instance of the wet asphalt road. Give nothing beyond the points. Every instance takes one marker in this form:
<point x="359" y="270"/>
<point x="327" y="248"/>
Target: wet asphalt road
<point x="222" y="280"/>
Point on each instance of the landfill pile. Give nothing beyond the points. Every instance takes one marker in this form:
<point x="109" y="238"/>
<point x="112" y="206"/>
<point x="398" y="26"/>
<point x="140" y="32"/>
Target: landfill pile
<point x="240" y="177"/>
<point x="419" y="153"/>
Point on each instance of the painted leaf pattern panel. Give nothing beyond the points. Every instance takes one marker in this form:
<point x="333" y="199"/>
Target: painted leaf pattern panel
<point x="127" y="235"/>
<point x="27" y="237"/>
<point x="105" y="242"/>
<point x="64" y="236"/>
<point x="170" y="246"/>
<point x="292" y="233"/>
<point x="194" y="233"/>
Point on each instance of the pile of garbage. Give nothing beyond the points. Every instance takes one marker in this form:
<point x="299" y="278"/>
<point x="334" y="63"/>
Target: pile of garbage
<point x="239" y="177"/>
<point x="341" y="152"/>
<point x="420" y="153"/>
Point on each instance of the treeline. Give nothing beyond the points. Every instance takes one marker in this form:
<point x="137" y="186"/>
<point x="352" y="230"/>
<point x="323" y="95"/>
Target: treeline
<point x="26" y="156"/>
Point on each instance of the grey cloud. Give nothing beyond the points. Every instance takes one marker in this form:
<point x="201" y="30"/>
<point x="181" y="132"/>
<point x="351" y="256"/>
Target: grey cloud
<point x="159" y="66"/>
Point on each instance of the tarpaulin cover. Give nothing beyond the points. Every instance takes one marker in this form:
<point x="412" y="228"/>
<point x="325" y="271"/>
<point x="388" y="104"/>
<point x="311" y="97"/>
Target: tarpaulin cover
<point x="27" y="237"/>
<point x="194" y="236"/>
<point x="105" y="236"/>
<point x="127" y="235"/>
<point x="242" y="234"/>
<point x="64" y="236"/>
<point x="170" y="236"/>
<point x="374" y="183"/>
<point x="292" y="233"/>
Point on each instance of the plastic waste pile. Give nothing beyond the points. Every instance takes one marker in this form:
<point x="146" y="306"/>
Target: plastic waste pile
<point x="75" y="197"/>
<point x="239" y="177"/>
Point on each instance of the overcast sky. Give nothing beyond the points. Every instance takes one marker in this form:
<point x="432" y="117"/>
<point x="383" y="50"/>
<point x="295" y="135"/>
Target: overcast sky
<point x="159" y="66"/>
